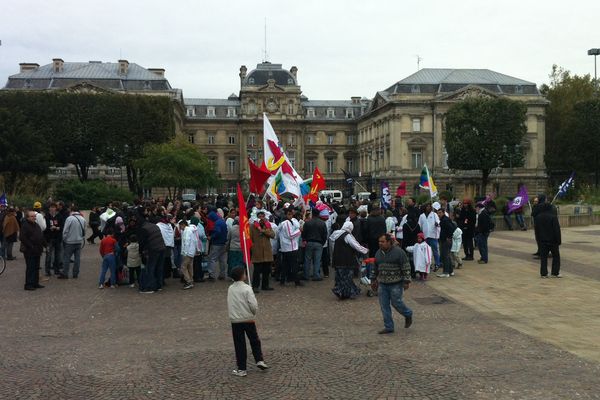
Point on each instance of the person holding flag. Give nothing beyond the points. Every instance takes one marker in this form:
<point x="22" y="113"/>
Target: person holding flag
<point x="516" y="206"/>
<point x="564" y="187"/>
<point x="548" y="236"/>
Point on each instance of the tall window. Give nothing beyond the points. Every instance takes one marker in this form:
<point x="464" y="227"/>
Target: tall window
<point x="330" y="113"/>
<point x="417" y="159"/>
<point x="416" y="124"/>
<point x="291" y="155"/>
<point x="210" y="112"/>
<point x="310" y="166"/>
<point x="330" y="165"/>
<point x="350" y="165"/>
<point x="191" y="112"/>
<point x="291" y="140"/>
<point x="350" y="139"/>
<point x="251" y="140"/>
<point x="191" y="138"/>
<point x="310" y="112"/>
<point x="290" y="108"/>
<point x="349" y="113"/>
<point x="232" y="165"/>
<point x="330" y="138"/>
<point x="310" y="139"/>
<point x="211" y="139"/>
<point x="212" y="161"/>
<point x="252" y="108"/>
<point x="231" y="139"/>
<point x="231" y="111"/>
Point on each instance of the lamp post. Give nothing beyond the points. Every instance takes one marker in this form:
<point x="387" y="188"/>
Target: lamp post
<point x="595" y="53"/>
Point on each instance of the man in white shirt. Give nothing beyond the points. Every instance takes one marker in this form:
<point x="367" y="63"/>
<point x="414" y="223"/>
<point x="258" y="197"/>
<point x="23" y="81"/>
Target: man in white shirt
<point x="289" y="232"/>
<point x="430" y="226"/>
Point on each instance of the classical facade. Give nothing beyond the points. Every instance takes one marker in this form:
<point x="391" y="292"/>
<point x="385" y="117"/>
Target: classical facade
<point x="404" y="129"/>
<point x="314" y="133"/>
<point x="387" y="138"/>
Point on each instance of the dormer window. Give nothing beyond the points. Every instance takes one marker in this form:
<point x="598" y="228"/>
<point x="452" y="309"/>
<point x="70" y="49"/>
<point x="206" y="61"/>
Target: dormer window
<point x="518" y="89"/>
<point x="349" y="113"/>
<point x="330" y="113"/>
<point x="231" y="111"/>
<point x="191" y="112"/>
<point x="147" y="85"/>
<point x="251" y="81"/>
<point x="27" y="84"/>
<point x="415" y="89"/>
<point x="210" y="112"/>
<point x="310" y="112"/>
<point x="290" y="81"/>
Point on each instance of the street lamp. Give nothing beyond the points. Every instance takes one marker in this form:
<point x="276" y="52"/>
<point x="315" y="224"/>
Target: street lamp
<point x="595" y="53"/>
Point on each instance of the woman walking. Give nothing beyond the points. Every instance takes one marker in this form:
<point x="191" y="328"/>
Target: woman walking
<point x="345" y="250"/>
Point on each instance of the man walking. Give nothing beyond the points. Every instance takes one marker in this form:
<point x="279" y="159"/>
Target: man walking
<point x="73" y="235"/>
<point x="483" y="227"/>
<point x="314" y="233"/>
<point x="447" y="229"/>
<point x="391" y="277"/>
<point x="547" y="231"/>
<point x="32" y="246"/>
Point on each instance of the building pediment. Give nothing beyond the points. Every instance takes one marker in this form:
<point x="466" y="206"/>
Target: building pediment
<point x="378" y="101"/>
<point x="469" y="92"/>
<point x="86" y="87"/>
<point x="417" y="143"/>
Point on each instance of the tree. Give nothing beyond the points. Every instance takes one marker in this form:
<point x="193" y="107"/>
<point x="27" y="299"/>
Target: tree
<point x="480" y="131"/>
<point x="584" y="126"/>
<point x="564" y="92"/>
<point x="21" y="150"/>
<point x="175" y="165"/>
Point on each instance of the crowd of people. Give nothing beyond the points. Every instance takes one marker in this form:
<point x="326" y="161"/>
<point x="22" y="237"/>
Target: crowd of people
<point x="144" y="244"/>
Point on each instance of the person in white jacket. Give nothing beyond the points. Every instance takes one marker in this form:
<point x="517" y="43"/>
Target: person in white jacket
<point x="190" y="246"/>
<point x="456" y="245"/>
<point x="430" y="226"/>
<point x="422" y="256"/>
<point x="242" y="307"/>
<point x="289" y="233"/>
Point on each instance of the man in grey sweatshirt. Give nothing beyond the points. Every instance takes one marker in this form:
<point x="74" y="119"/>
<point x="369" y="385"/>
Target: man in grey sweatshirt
<point x="73" y="236"/>
<point x="392" y="277"/>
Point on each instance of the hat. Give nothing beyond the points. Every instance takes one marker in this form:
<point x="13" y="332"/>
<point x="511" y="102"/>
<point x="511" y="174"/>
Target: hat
<point x="37" y="204"/>
<point x="436" y="206"/>
<point x="421" y="235"/>
<point x="324" y="214"/>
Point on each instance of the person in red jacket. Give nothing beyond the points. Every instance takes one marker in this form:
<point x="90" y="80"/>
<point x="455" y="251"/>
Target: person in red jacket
<point x="108" y="247"/>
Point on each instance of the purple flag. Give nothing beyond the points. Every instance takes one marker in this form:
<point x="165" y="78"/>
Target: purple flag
<point x="519" y="201"/>
<point x="3" y="200"/>
<point x="386" y="197"/>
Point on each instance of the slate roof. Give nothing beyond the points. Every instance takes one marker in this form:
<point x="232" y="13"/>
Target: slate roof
<point x="330" y="103"/>
<point x="210" y="102"/>
<point x="103" y="74"/>
<point x="266" y="71"/>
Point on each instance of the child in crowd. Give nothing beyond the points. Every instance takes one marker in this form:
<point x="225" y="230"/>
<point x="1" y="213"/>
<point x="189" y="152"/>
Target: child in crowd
<point x="456" y="245"/>
<point x="422" y="256"/>
<point x="242" y="306"/>
<point x="108" y="250"/>
<point x="134" y="261"/>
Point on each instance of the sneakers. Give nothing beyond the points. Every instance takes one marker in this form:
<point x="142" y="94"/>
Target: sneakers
<point x="443" y="276"/>
<point x="262" y="365"/>
<point x="385" y="331"/>
<point x="132" y="285"/>
<point x="557" y="276"/>
<point x="101" y="287"/>
<point x="451" y="273"/>
<point x="481" y="262"/>
<point x="407" y="321"/>
<point x="544" y="276"/>
<point x="188" y="286"/>
<point x="146" y="291"/>
<point x="239" y="372"/>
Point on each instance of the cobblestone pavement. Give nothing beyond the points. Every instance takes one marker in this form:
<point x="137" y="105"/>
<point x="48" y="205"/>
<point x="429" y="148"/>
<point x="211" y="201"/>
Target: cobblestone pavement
<point x="74" y="341"/>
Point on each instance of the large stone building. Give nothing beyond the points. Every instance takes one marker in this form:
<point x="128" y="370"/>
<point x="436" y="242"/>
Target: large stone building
<point x="387" y="138"/>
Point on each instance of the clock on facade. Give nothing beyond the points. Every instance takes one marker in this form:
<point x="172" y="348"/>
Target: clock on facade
<point x="271" y="105"/>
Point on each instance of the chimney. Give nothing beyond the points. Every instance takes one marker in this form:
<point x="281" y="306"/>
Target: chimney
<point x="158" y="71"/>
<point x="355" y="99"/>
<point x="294" y="72"/>
<point x="243" y="70"/>
<point x="25" y="67"/>
<point x="123" y="67"/>
<point x="57" y="65"/>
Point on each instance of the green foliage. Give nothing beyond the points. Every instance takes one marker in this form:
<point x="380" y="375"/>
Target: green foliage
<point x="483" y="134"/>
<point x="85" y="129"/>
<point x="423" y="198"/>
<point x="176" y="165"/>
<point x="564" y="92"/>
<point x="585" y="140"/>
<point x="447" y="194"/>
<point x="91" y="193"/>
<point x="24" y="200"/>
<point x="21" y="150"/>
<point x="500" y="203"/>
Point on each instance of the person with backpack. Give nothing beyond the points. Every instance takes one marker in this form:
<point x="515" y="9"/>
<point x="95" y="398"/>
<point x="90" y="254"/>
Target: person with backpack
<point x="73" y="235"/>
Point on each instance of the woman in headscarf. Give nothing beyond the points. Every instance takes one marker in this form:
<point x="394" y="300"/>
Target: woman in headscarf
<point x="345" y="250"/>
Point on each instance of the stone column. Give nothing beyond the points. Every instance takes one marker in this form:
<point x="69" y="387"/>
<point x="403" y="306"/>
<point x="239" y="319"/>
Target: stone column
<point x="541" y="142"/>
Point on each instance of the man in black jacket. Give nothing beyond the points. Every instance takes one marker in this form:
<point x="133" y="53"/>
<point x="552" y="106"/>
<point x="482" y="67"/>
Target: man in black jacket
<point x="152" y="248"/>
<point x="445" y="241"/>
<point x="32" y="246"/>
<point x="314" y="233"/>
<point x="547" y="231"/>
<point x="483" y="227"/>
<point x="375" y="227"/>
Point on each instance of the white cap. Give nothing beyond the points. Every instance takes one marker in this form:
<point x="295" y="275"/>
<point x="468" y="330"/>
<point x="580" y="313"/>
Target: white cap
<point x="436" y="206"/>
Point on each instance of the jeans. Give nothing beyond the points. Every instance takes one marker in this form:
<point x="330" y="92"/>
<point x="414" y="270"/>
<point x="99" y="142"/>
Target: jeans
<point x="313" y="253"/>
<point x="108" y="262"/>
<point x="520" y="220"/>
<point x="149" y="279"/>
<point x="445" y="247"/>
<point x="482" y="245"/>
<point x="134" y="275"/>
<point x="508" y="221"/>
<point x="54" y="256"/>
<point x="433" y="243"/>
<point x="32" y="275"/>
<point x="392" y="293"/>
<point x="71" y="250"/>
<point x="239" y="332"/>
<point x="544" y="250"/>
<point x="217" y="254"/>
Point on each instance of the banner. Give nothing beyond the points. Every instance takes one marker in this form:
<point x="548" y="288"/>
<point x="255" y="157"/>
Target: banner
<point x="401" y="191"/>
<point x="318" y="184"/>
<point x="275" y="157"/>
<point x="519" y="201"/>
<point x="258" y="177"/>
<point x="427" y="182"/>
<point x="386" y="197"/>
<point x="245" y="240"/>
<point x="566" y="185"/>
<point x="3" y="200"/>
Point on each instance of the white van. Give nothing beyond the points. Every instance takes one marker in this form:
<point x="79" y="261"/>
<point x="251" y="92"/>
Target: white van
<point x="362" y="196"/>
<point x="336" y="195"/>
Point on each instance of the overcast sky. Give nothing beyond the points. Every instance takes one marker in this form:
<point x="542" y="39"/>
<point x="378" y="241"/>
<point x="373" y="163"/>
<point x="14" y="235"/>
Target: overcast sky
<point x="341" y="48"/>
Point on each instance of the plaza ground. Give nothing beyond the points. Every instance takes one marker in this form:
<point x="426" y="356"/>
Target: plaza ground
<point x="494" y="331"/>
